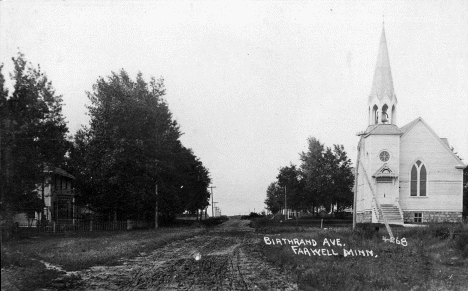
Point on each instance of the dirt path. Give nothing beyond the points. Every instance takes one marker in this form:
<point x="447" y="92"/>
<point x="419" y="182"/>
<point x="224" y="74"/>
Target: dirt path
<point x="223" y="259"/>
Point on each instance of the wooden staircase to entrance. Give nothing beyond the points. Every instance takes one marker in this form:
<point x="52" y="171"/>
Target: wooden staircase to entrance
<point x="392" y="214"/>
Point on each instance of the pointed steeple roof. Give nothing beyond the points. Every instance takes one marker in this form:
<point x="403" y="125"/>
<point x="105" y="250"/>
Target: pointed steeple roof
<point x="383" y="81"/>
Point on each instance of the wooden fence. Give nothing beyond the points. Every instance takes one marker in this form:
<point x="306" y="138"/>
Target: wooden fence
<point x="53" y="227"/>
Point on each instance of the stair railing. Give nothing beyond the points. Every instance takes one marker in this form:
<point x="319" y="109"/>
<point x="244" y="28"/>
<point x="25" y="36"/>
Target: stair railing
<point x="375" y="208"/>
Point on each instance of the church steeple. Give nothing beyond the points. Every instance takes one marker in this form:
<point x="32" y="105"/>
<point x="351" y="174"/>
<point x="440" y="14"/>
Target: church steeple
<point x="382" y="100"/>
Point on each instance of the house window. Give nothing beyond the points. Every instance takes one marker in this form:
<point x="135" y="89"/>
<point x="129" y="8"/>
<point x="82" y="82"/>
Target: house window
<point x="418" y="183"/>
<point x="65" y="209"/>
<point x="417" y="217"/>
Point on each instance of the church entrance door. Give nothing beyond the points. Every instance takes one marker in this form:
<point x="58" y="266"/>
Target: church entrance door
<point x="385" y="192"/>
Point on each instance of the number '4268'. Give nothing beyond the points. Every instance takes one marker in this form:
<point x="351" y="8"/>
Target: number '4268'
<point x="396" y="240"/>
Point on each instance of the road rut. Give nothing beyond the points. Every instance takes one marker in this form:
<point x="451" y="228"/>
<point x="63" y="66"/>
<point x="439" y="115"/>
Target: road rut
<point x="226" y="258"/>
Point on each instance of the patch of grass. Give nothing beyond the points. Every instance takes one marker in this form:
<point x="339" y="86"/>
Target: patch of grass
<point x="272" y="225"/>
<point x="426" y="263"/>
<point x="24" y="273"/>
<point x="88" y="249"/>
<point x="461" y="243"/>
<point x="21" y="257"/>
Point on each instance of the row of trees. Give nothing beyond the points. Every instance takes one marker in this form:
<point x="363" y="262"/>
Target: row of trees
<point x="324" y="180"/>
<point x="131" y="146"/>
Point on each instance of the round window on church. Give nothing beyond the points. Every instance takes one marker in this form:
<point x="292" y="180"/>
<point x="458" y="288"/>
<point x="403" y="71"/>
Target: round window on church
<point x="384" y="156"/>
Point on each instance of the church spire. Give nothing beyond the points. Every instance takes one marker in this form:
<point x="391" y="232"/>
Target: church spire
<point x="382" y="99"/>
<point x="383" y="82"/>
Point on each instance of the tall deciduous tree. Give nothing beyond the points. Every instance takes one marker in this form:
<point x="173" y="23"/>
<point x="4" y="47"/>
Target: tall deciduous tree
<point x="338" y="179"/>
<point x="274" y="198"/>
<point x="312" y="169"/>
<point x="132" y="145"/>
<point x="343" y="179"/>
<point x="291" y="180"/>
<point x="33" y="134"/>
<point x="327" y="176"/>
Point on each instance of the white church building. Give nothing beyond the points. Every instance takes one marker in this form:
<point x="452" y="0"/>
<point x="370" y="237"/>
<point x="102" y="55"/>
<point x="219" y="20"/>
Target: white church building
<point x="405" y="174"/>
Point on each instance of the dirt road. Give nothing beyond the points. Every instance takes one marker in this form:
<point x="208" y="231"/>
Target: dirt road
<point x="225" y="258"/>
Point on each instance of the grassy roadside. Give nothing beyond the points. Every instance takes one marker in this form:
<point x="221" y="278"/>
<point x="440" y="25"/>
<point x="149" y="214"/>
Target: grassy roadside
<point x="22" y="269"/>
<point x="431" y="260"/>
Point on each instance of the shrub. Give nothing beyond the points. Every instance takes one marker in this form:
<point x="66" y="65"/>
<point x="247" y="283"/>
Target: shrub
<point x="344" y="215"/>
<point x="260" y="222"/>
<point x="252" y="215"/>
<point x="255" y="215"/>
<point x="213" y="221"/>
<point x="439" y="231"/>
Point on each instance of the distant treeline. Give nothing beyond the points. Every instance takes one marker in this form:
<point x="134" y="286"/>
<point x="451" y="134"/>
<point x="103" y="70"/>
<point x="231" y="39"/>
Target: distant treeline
<point x="323" y="181"/>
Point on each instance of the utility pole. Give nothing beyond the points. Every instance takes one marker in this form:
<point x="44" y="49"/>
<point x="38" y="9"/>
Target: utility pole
<point x="214" y="208"/>
<point x="356" y="181"/>
<point x="156" y="210"/>
<point x="285" y="205"/>
<point x="212" y="199"/>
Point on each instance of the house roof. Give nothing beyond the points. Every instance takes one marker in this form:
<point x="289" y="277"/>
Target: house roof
<point x="382" y="129"/>
<point x="58" y="171"/>
<point x="383" y="82"/>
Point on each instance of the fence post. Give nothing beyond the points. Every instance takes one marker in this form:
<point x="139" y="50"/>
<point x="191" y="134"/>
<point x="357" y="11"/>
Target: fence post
<point x="54" y="226"/>
<point x="90" y="225"/>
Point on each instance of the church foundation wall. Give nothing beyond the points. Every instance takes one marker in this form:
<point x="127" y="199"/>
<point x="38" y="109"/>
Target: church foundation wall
<point x="433" y="216"/>
<point x="364" y="217"/>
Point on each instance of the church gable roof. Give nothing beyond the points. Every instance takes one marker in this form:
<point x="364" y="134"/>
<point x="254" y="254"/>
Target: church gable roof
<point x="408" y="127"/>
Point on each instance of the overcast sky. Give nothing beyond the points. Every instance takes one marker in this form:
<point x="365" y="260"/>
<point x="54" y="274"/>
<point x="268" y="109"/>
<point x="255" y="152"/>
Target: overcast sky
<point x="248" y="82"/>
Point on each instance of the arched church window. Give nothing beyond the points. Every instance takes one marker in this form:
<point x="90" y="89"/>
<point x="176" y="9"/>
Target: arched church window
<point x="422" y="181"/>
<point x="418" y="183"/>
<point x="414" y="181"/>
